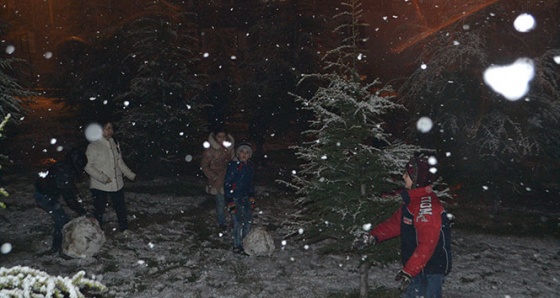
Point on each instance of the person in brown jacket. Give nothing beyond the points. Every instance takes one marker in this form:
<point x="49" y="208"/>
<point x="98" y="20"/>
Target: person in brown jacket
<point x="215" y="158"/>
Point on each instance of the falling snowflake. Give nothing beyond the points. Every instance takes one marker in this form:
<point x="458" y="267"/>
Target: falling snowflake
<point x="524" y="23"/>
<point x="511" y="81"/>
<point x="424" y="124"/>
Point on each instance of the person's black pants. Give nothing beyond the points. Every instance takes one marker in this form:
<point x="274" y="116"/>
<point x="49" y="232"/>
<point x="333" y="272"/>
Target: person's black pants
<point x="100" y="200"/>
<point x="60" y="218"/>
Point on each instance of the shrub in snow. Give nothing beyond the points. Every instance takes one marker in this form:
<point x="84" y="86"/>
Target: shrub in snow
<point x="259" y="242"/>
<point x="20" y="281"/>
<point x="83" y="237"/>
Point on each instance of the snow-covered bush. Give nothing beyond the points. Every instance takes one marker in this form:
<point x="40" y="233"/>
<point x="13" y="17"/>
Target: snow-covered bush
<point x="22" y="281"/>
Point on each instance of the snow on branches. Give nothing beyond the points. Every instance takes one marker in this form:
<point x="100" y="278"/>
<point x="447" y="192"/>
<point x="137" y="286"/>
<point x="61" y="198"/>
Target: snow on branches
<point x="21" y="281"/>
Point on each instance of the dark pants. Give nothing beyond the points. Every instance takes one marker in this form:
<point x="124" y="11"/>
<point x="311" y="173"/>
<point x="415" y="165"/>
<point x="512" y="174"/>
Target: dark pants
<point x="100" y="200"/>
<point x="241" y="220"/>
<point x="425" y="285"/>
<point x="55" y="210"/>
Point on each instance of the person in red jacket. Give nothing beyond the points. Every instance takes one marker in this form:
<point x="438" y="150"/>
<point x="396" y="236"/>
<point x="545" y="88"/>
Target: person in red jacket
<point x="424" y="228"/>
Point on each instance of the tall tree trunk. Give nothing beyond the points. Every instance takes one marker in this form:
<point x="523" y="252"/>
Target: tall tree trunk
<point x="364" y="273"/>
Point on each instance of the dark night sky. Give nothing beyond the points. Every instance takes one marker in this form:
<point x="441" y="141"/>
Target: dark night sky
<point x="396" y="30"/>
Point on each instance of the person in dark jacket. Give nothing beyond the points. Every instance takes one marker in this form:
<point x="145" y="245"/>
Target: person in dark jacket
<point x="60" y="180"/>
<point x="424" y="228"/>
<point x="240" y="194"/>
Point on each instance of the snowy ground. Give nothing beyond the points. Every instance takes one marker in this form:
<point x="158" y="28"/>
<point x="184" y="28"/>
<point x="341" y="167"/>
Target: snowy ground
<point x="173" y="251"/>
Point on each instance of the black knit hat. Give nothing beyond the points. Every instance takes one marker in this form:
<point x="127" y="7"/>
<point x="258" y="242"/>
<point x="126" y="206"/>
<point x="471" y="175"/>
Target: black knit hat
<point x="78" y="159"/>
<point x="418" y="170"/>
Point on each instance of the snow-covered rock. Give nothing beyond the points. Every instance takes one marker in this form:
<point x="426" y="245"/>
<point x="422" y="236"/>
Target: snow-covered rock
<point x="83" y="238"/>
<point x="259" y="242"/>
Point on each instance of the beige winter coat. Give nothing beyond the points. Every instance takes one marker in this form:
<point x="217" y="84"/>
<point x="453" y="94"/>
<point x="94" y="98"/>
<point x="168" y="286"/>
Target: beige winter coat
<point x="214" y="163"/>
<point x="105" y="162"/>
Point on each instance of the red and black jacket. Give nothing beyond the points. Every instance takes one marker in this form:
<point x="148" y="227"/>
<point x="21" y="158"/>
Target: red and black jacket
<point x="425" y="232"/>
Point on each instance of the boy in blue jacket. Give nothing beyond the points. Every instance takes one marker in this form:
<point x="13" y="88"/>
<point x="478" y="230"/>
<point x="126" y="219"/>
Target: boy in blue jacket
<point x="239" y="192"/>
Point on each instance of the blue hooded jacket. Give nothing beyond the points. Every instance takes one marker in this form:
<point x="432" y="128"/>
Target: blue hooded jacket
<point x="239" y="180"/>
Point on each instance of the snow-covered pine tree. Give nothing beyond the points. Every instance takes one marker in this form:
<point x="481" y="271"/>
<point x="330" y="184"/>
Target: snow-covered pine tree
<point x="13" y="92"/>
<point x="11" y="98"/>
<point x="486" y="134"/>
<point x="349" y="159"/>
<point x="3" y="192"/>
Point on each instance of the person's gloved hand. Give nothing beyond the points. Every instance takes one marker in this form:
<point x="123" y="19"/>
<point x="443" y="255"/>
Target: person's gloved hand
<point x="366" y="239"/>
<point x="231" y="208"/>
<point x="404" y="278"/>
<point x="253" y="203"/>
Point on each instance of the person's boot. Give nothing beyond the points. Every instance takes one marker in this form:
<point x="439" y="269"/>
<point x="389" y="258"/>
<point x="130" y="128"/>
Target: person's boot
<point x="64" y="256"/>
<point x="51" y="251"/>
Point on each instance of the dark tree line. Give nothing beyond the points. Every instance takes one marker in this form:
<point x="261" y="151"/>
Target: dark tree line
<point x="172" y="70"/>
<point x="493" y="143"/>
<point x="167" y="77"/>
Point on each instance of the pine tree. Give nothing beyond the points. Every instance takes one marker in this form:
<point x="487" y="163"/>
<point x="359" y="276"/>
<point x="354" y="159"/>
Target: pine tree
<point x="160" y="109"/>
<point x="281" y="45"/>
<point x="13" y="92"/>
<point x="11" y="98"/>
<point x="3" y="192"/>
<point x="485" y="134"/>
<point x="349" y="159"/>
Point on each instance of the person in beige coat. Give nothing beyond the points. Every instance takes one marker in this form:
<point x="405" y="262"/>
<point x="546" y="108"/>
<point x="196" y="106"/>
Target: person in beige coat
<point x="106" y="169"/>
<point x="215" y="158"/>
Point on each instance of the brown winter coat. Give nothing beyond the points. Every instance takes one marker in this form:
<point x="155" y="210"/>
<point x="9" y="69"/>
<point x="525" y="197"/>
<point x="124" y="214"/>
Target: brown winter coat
<point x="214" y="163"/>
